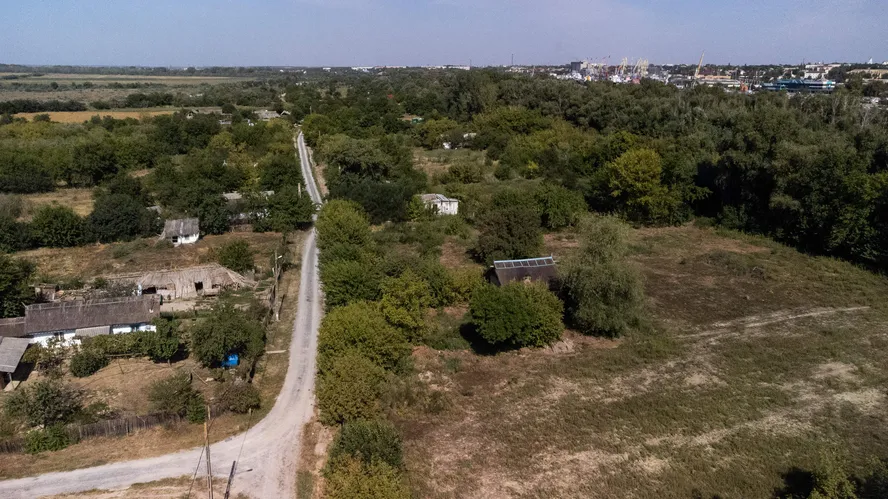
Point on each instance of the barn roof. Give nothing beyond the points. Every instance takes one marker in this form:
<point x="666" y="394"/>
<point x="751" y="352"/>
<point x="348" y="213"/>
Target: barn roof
<point x="181" y="227"/>
<point x="77" y="314"/>
<point x="11" y="351"/>
<point x="11" y="328"/>
<point x="188" y="275"/>
<point x="432" y="198"/>
<point x="535" y="269"/>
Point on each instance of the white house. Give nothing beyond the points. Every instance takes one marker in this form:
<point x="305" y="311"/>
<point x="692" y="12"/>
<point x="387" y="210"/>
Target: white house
<point x="442" y="204"/>
<point x="182" y="231"/>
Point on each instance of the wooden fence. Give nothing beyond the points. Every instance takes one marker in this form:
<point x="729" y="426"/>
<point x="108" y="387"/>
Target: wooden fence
<point x="109" y="428"/>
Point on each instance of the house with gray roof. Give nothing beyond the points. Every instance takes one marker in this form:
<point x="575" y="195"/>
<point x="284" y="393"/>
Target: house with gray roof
<point x="181" y="231"/>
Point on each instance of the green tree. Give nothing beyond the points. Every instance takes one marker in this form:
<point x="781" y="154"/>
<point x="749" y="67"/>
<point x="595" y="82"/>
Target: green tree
<point x="214" y="216"/>
<point x="290" y="208"/>
<point x="369" y="441"/>
<point x="635" y="185"/>
<point x="362" y="329"/>
<point x="15" y="286"/>
<point x="559" y="207"/>
<point x="118" y="217"/>
<point x="45" y="403"/>
<point x="351" y="478"/>
<point x="603" y="292"/>
<point x="57" y="226"/>
<point x="350" y="281"/>
<point x="238" y="396"/>
<point x="517" y="315"/>
<point x="175" y="395"/>
<point x="350" y="389"/>
<point x="509" y="232"/>
<point x="343" y="223"/>
<point x="164" y="343"/>
<point x="227" y="330"/>
<point x="236" y="255"/>
<point x="279" y="170"/>
<point x="404" y="302"/>
<point x="87" y="362"/>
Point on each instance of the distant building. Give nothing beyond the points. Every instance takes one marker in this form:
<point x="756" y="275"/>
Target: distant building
<point x="266" y="115"/>
<point x="69" y="320"/>
<point x="181" y="231"/>
<point x="797" y="85"/>
<point x="443" y="205"/>
<point x="576" y="67"/>
<point x="529" y="270"/>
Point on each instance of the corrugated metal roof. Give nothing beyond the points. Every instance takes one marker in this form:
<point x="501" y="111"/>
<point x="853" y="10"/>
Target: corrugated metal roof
<point x="533" y="269"/>
<point x="12" y="328"/>
<point x="11" y="351"/>
<point x="527" y="263"/>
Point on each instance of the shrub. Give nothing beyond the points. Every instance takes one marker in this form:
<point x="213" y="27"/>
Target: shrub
<point x="517" y="315"/>
<point x="465" y="281"/>
<point x="290" y="208"/>
<point x="559" y="207"/>
<point x="226" y="331"/>
<point x="369" y="441"/>
<point x="164" y="343"/>
<point x="603" y="293"/>
<point x="87" y="362"/>
<point x="175" y="395"/>
<point x="51" y="438"/>
<point x="57" y="226"/>
<point x="45" y="403"/>
<point x="509" y="232"/>
<point x="343" y="223"/>
<point x="466" y="172"/>
<point x="238" y="396"/>
<point x="236" y="255"/>
<point x="361" y="329"/>
<point x="350" y="389"/>
<point x="404" y="302"/>
<point x="15" y="286"/>
<point x="119" y="217"/>
<point x="349" y="478"/>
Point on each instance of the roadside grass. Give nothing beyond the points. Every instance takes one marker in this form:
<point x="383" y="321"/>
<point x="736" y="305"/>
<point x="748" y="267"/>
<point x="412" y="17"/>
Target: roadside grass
<point x="757" y="359"/>
<point x="171" y="488"/>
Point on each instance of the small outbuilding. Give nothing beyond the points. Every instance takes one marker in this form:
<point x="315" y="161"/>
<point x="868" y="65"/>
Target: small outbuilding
<point x="529" y="270"/>
<point x="442" y="204"/>
<point x="11" y="352"/>
<point x="181" y="231"/>
<point x="185" y="283"/>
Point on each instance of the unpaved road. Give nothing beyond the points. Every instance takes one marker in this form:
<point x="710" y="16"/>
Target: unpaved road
<point x="267" y="465"/>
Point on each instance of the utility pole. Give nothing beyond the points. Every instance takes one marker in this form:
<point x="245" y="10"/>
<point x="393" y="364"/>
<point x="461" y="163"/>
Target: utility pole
<point x="207" y="445"/>
<point x="230" y="479"/>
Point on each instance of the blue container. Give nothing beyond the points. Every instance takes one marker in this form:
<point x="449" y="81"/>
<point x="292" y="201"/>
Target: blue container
<point x="232" y="361"/>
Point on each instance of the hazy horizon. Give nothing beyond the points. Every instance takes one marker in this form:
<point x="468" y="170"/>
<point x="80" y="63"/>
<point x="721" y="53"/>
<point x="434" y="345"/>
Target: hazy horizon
<point x="319" y="33"/>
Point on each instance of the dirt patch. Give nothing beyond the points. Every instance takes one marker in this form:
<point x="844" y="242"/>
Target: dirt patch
<point x="836" y="370"/>
<point x="652" y="465"/>
<point x="454" y="254"/>
<point x="869" y="401"/>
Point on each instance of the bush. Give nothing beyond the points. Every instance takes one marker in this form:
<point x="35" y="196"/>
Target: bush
<point x="360" y="329"/>
<point x="236" y="255"/>
<point x="51" y="438"/>
<point x="350" y="389"/>
<point x="465" y="281"/>
<point x="509" y="232"/>
<point x="118" y="217"/>
<point x="227" y="331"/>
<point x="175" y="395"/>
<point x="369" y="441"/>
<point x="57" y="227"/>
<point x="349" y="478"/>
<point x="238" y="396"/>
<point x="404" y="302"/>
<point x="343" y="223"/>
<point x="603" y="293"/>
<point x="87" y="362"/>
<point x="45" y="403"/>
<point x="559" y="207"/>
<point x="517" y="315"/>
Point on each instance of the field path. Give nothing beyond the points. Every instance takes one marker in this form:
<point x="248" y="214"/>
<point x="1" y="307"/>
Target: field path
<point x="268" y="451"/>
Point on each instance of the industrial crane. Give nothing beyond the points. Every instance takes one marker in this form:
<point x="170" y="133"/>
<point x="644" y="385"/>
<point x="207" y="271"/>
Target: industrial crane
<point x="699" y="66"/>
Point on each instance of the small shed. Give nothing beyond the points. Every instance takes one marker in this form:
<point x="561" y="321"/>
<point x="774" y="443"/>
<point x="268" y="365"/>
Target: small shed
<point x="442" y="204"/>
<point x="181" y="231"/>
<point x="529" y="270"/>
<point x="11" y="352"/>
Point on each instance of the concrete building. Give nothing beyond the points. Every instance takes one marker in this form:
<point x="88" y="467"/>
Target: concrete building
<point x="181" y="231"/>
<point x="441" y="204"/>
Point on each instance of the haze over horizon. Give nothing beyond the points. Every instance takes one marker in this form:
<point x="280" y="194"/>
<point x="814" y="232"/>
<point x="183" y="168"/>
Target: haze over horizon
<point x="432" y="32"/>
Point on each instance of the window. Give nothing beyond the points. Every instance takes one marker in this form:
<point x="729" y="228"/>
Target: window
<point x="198" y="286"/>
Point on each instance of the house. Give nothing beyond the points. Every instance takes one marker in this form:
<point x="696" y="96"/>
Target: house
<point x="187" y="283"/>
<point x="11" y="352"/>
<point x="529" y="270"/>
<point x="241" y="211"/>
<point x="181" y="231"/>
<point x="266" y="115"/>
<point x="69" y="320"/>
<point x="441" y="204"/>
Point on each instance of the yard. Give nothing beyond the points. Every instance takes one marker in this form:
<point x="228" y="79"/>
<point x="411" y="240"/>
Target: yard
<point x="759" y="360"/>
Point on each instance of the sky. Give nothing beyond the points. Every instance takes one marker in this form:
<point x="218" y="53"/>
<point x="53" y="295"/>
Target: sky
<point x="181" y="33"/>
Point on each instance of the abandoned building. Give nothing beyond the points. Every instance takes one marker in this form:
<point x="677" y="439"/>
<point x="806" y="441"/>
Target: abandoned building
<point x="266" y="115"/>
<point x="187" y="283"/>
<point x="181" y="231"/>
<point x="69" y="320"/>
<point x="529" y="270"/>
<point x="442" y="204"/>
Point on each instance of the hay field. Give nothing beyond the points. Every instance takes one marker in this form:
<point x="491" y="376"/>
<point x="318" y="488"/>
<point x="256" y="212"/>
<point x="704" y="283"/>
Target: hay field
<point x="78" y="199"/>
<point x="760" y="360"/>
<point x="81" y="116"/>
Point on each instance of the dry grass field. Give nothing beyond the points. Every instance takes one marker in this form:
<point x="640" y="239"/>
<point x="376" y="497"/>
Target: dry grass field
<point x="104" y="79"/>
<point x="173" y="488"/>
<point x="79" y="200"/>
<point x="81" y="116"/>
<point x="87" y="262"/>
<point x="758" y="359"/>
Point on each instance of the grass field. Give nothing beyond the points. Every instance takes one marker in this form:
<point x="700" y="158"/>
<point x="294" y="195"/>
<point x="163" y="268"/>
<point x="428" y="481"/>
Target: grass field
<point x="759" y="359"/>
<point x="63" y="78"/>
<point x="79" y="200"/>
<point x="81" y="116"/>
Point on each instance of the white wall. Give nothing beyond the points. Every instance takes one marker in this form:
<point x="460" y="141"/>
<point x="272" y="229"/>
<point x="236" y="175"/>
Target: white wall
<point x="187" y="240"/>
<point x="43" y="338"/>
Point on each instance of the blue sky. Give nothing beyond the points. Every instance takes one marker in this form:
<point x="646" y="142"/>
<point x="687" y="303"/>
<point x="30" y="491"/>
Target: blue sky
<point x="419" y="32"/>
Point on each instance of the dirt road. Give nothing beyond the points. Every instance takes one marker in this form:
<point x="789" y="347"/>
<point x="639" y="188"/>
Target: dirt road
<point x="268" y="451"/>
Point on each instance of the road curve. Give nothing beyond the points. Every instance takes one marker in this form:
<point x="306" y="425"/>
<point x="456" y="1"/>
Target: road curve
<point x="268" y="451"/>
